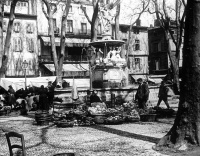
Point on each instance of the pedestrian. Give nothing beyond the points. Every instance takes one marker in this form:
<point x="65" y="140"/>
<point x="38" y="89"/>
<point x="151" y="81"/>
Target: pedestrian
<point x="163" y="94"/>
<point x="142" y="94"/>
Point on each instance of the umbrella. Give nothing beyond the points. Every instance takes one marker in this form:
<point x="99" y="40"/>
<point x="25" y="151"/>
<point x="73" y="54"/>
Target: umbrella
<point x="74" y="91"/>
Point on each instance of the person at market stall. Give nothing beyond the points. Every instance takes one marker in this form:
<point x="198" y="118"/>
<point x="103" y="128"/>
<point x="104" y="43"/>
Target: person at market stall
<point x="94" y="97"/>
<point x="43" y="99"/>
<point x="50" y="93"/>
<point x="11" y="96"/>
<point x="142" y="94"/>
<point x="162" y="94"/>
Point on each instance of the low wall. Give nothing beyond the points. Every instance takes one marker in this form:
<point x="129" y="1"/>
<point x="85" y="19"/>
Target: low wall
<point x="105" y="94"/>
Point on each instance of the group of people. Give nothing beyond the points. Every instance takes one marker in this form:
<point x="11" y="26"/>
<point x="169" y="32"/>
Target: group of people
<point x="31" y="98"/>
<point x="142" y="94"/>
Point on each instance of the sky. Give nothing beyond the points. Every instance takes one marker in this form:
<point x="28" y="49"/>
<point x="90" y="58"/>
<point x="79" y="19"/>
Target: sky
<point x="129" y="7"/>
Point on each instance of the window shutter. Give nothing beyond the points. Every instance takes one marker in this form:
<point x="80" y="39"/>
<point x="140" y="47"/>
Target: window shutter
<point x="32" y="29"/>
<point x="4" y="26"/>
<point x="15" y="44"/>
<point x="32" y="45"/>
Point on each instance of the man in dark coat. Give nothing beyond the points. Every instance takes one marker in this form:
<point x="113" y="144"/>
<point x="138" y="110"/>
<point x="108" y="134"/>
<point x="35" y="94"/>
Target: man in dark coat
<point x="50" y="93"/>
<point x="142" y="94"/>
<point x="162" y="95"/>
<point x="43" y="99"/>
<point x="94" y="97"/>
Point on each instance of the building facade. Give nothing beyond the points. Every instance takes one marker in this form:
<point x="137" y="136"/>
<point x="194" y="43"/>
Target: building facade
<point x="23" y="44"/>
<point x="138" y="57"/>
<point x="159" y="63"/>
<point x="78" y="36"/>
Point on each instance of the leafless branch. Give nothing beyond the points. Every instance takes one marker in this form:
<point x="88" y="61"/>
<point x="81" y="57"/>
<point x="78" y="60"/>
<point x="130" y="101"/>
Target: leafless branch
<point x="44" y="2"/>
<point x="85" y="13"/>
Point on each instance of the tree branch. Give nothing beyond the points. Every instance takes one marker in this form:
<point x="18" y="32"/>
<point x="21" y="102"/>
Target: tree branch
<point x="86" y="15"/>
<point x="44" y="2"/>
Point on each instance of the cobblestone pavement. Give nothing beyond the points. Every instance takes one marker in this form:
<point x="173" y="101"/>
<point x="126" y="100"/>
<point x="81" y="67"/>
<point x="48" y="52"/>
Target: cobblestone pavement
<point x="130" y="139"/>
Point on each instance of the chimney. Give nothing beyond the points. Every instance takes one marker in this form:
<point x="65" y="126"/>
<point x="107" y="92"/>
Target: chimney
<point x="156" y="23"/>
<point x="138" y="22"/>
<point x="151" y="25"/>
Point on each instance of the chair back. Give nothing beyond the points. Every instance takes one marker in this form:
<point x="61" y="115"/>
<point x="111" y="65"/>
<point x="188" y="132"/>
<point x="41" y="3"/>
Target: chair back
<point x="12" y="146"/>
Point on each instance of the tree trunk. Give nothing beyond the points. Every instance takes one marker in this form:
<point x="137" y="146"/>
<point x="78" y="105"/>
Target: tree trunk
<point x="117" y="37"/>
<point x="186" y="127"/>
<point x="62" y="41"/>
<point x="53" y="45"/>
<point x="95" y="22"/>
<point x="1" y="31"/>
<point x="8" y="38"/>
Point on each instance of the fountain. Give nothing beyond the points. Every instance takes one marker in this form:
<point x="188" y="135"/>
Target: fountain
<point x="109" y="69"/>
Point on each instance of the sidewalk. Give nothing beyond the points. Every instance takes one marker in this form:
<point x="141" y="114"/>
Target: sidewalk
<point x="114" y="140"/>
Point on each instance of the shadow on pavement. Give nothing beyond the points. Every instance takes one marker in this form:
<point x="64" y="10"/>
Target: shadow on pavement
<point x="126" y="134"/>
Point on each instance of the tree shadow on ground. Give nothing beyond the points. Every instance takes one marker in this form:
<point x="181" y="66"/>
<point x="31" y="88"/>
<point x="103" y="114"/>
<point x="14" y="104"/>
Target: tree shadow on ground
<point x="126" y="134"/>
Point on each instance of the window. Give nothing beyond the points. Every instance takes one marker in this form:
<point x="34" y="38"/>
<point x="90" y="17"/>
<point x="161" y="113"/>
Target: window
<point x="70" y="9"/>
<point x="17" y="44"/>
<point x="137" y="44"/>
<point x="29" y="28"/>
<point x="17" y="27"/>
<point x="137" y="63"/>
<point x="84" y="28"/>
<point x="99" y="30"/>
<point x="157" y="64"/>
<point x="69" y="26"/>
<point x="155" y="47"/>
<point x="30" y="44"/>
<point x="4" y="26"/>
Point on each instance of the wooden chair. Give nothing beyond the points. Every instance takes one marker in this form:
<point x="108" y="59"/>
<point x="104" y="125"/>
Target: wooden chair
<point x="11" y="147"/>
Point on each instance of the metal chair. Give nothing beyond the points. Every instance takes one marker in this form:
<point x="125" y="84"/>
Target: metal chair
<point x="11" y="147"/>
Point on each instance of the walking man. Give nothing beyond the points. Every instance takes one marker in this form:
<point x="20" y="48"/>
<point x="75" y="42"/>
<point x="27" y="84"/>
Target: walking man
<point x="142" y="94"/>
<point x="162" y="95"/>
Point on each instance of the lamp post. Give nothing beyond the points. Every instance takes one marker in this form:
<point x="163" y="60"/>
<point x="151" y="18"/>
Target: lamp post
<point x="24" y="66"/>
<point x="89" y="55"/>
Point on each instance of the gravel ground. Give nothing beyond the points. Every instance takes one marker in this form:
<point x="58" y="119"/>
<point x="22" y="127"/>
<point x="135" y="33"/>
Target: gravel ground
<point x="130" y="139"/>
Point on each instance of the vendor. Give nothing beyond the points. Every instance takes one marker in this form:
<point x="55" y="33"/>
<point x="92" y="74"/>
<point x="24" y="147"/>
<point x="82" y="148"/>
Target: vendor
<point x="94" y="97"/>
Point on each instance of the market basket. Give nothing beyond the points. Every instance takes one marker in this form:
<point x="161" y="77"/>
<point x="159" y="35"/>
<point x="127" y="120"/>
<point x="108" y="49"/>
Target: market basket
<point x="65" y="124"/>
<point x="42" y="117"/>
<point x="99" y="118"/>
<point x="114" y="122"/>
<point x="148" y="117"/>
<point x="64" y="154"/>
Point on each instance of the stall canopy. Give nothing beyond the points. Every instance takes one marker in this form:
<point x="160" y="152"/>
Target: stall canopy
<point x="69" y="67"/>
<point x="18" y="83"/>
<point x="70" y="42"/>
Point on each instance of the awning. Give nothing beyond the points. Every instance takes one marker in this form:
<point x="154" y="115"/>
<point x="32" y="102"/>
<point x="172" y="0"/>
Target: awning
<point x="18" y="83"/>
<point x="69" y="67"/>
<point x="70" y="42"/>
<point x="135" y="77"/>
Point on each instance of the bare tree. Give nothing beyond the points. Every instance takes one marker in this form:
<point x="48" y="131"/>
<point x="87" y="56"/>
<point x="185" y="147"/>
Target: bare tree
<point x="58" y="56"/>
<point x="136" y="15"/>
<point x="165" y="19"/>
<point x="4" y="50"/>
<point x="1" y="30"/>
<point x="186" y="127"/>
<point x="95" y="20"/>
